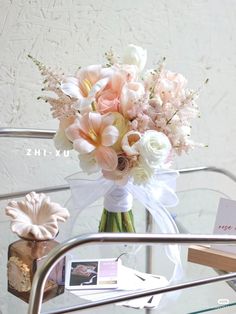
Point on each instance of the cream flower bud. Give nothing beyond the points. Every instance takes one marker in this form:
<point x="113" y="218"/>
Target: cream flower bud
<point x="129" y="143"/>
<point x="154" y="148"/>
<point x="135" y="55"/>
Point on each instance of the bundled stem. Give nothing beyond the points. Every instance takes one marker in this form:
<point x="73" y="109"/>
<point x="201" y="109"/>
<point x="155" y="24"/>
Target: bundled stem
<point x="116" y="222"/>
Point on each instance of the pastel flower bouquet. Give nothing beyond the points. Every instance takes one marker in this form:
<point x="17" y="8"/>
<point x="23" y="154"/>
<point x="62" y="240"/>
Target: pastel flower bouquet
<point x="126" y="124"/>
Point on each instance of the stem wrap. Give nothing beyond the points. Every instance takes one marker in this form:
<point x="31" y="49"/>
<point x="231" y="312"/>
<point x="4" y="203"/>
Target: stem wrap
<point x="118" y="200"/>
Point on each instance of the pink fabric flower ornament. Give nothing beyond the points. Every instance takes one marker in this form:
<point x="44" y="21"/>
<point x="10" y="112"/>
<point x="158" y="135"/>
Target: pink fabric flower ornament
<point x="94" y="133"/>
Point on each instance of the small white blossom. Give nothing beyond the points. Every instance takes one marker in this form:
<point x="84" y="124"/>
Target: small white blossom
<point x="135" y="55"/>
<point x="88" y="163"/>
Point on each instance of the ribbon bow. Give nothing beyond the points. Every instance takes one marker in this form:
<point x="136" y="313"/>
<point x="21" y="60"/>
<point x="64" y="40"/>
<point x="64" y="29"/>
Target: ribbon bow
<point x="156" y="195"/>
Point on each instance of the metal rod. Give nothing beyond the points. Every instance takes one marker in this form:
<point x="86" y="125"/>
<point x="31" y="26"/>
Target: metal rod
<point x="41" y="274"/>
<point x="27" y="133"/>
<point x="148" y="249"/>
<point x="48" y="134"/>
<point x="57" y="188"/>
<point x="210" y="169"/>
<point x="50" y="189"/>
<point x="144" y="293"/>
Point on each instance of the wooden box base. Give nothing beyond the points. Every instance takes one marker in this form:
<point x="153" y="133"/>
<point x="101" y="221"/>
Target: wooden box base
<point x="213" y="258"/>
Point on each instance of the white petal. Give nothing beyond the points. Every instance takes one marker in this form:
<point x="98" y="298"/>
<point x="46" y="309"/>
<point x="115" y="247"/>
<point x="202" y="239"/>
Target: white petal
<point x="136" y="55"/>
<point x="110" y="135"/>
<point x="70" y="87"/>
<point x="98" y="86"/>
<point x="61" y="141"/>
<point x="82" y="146"/>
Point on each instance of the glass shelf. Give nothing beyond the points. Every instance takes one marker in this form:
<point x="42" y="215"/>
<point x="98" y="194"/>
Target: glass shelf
<point x="195" y="213"/>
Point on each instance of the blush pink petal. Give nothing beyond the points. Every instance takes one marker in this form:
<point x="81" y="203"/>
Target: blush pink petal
<point x="91" y="72"/>
<point x="110" y="135"/>
<point x="106" y="158"/>
<point x="83" y="123"/>
<point x="83" y="146"/>
<point x="73" y="132"/>
<point x="95" y="120"/>
<point x="107" y="119"/>
<point x="117" y="82"/>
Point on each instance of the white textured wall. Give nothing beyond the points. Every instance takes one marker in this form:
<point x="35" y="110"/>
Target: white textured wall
<point x="196" y="37"/>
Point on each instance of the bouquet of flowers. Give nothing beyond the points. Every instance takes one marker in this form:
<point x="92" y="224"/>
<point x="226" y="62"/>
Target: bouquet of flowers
<point x="125" y="123"/>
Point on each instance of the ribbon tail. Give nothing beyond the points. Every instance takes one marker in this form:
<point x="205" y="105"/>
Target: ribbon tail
<point x="167" y="225"/>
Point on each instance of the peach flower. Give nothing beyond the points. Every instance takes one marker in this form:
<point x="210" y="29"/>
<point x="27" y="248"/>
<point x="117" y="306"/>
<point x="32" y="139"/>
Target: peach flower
<point x="131" y="94"/>
<point x="170" y="86"/>
<point x="86" y="84"/>
<point x="123" y="73"/>
<point x="95" y="133"/>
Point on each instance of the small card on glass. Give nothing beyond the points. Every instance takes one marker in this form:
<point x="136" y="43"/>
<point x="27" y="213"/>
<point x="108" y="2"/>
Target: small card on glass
<point x="92" y="274"/>
<point x="225" y="223"/>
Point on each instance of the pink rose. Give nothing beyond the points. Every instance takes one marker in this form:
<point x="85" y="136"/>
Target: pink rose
<point x="107" y="102"/>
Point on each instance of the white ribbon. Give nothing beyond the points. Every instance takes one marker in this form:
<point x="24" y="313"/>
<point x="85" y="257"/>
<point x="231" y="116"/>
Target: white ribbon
<point x="155" y="196"/>
<point x="118" y="200"/>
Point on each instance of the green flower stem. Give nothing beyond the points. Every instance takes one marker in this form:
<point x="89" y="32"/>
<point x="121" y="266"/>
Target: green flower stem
<point x="118" y="219"/>
<point x="128" y="221"/>
<point x="103" y="221"/>
<point x="116" y="222"/>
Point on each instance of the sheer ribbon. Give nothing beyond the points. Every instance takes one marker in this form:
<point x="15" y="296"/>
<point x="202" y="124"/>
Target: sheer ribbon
<point x="156" y="195"/>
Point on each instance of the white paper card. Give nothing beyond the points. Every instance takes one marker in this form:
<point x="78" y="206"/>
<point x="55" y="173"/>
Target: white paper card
<point x="225" y="223"/>
<point x="92" y="274"/>
<point x="130" y="281"/>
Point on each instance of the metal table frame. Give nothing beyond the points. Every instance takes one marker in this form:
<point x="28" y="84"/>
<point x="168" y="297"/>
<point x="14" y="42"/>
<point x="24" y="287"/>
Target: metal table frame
<point x="148" y="239"/>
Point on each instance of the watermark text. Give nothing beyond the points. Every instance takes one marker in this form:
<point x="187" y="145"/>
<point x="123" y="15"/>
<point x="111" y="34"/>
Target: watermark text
<point x="36" y="152"/>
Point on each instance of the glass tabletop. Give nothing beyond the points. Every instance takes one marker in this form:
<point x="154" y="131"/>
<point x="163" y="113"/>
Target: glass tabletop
<point x="195" y="213"/>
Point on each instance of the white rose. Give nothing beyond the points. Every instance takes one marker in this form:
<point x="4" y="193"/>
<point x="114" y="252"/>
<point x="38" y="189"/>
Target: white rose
<point x="88" y="163"/>
<point x="154" y="148"/>
<point x="141" y="173"/>
<point x="135" y="55"/>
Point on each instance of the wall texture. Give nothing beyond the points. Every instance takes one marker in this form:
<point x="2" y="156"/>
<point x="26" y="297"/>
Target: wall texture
<point x="196" y="37"/>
